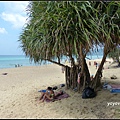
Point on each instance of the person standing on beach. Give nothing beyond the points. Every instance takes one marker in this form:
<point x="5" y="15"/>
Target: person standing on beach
<point x="96" y="64"/>
<point x="89" y="63"/>
<point x="79" y="75"/>
<point x="63" y="69"/>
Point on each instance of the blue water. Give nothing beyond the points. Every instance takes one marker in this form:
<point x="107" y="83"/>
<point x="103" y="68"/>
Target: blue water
<point x="11" y="61"/>
<point x="97" y="55"/>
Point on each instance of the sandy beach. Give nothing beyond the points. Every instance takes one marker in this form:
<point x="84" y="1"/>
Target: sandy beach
<point x="19" y="94"/>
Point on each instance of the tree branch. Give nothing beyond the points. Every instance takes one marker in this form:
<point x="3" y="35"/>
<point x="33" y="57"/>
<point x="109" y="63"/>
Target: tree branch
<point x="56" y="62"/>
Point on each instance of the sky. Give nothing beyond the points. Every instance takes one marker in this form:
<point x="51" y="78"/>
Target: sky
<point x="13" y="17"/>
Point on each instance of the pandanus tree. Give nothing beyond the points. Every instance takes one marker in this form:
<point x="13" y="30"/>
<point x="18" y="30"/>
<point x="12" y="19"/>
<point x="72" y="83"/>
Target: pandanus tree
<point x="108" y="17"/>
<point x="71" y="29"/>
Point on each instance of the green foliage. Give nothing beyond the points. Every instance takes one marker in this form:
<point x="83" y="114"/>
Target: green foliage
<point x="58" y="28"/>
<point x="115" y="54"/>
<point x="71" y="28"/>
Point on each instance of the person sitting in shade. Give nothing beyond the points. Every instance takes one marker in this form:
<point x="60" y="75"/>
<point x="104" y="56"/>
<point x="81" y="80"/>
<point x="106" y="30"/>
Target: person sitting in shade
<point x="49" y="94"/>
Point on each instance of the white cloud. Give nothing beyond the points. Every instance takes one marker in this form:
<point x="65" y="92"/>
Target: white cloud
<point x="2" y="30"/>
<point x="16" y="20"/>
<point x="15" y="13"/>
<point x="16" y="6"/>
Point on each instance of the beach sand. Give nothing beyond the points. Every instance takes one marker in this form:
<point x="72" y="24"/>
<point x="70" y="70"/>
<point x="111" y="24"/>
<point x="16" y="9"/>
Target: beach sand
<point x="19" y="94"/>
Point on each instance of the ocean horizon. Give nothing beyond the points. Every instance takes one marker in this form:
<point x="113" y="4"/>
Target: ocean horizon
<point x="11" y="61"/>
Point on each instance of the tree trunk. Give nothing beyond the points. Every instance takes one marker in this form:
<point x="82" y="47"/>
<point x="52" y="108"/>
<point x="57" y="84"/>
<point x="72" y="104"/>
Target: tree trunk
<point x="85" y="78"/>
<point x="67" y="76"/>
<point x="87" y="74"/>
<point x="74" y="72"/>
<point x="71" y="75"/>
<point x="96" y="82"/>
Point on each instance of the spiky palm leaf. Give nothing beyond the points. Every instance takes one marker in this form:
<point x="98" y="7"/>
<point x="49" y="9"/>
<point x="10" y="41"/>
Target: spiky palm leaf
<point x="58" y="27"/>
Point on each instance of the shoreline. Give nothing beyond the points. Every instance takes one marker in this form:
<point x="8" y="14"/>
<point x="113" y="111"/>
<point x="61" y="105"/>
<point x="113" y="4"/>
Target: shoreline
<point x="14" y="62"/>
<point x="19" y="94"/>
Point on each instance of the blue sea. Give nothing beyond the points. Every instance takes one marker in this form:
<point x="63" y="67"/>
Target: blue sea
<point x="11" y="61"/>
